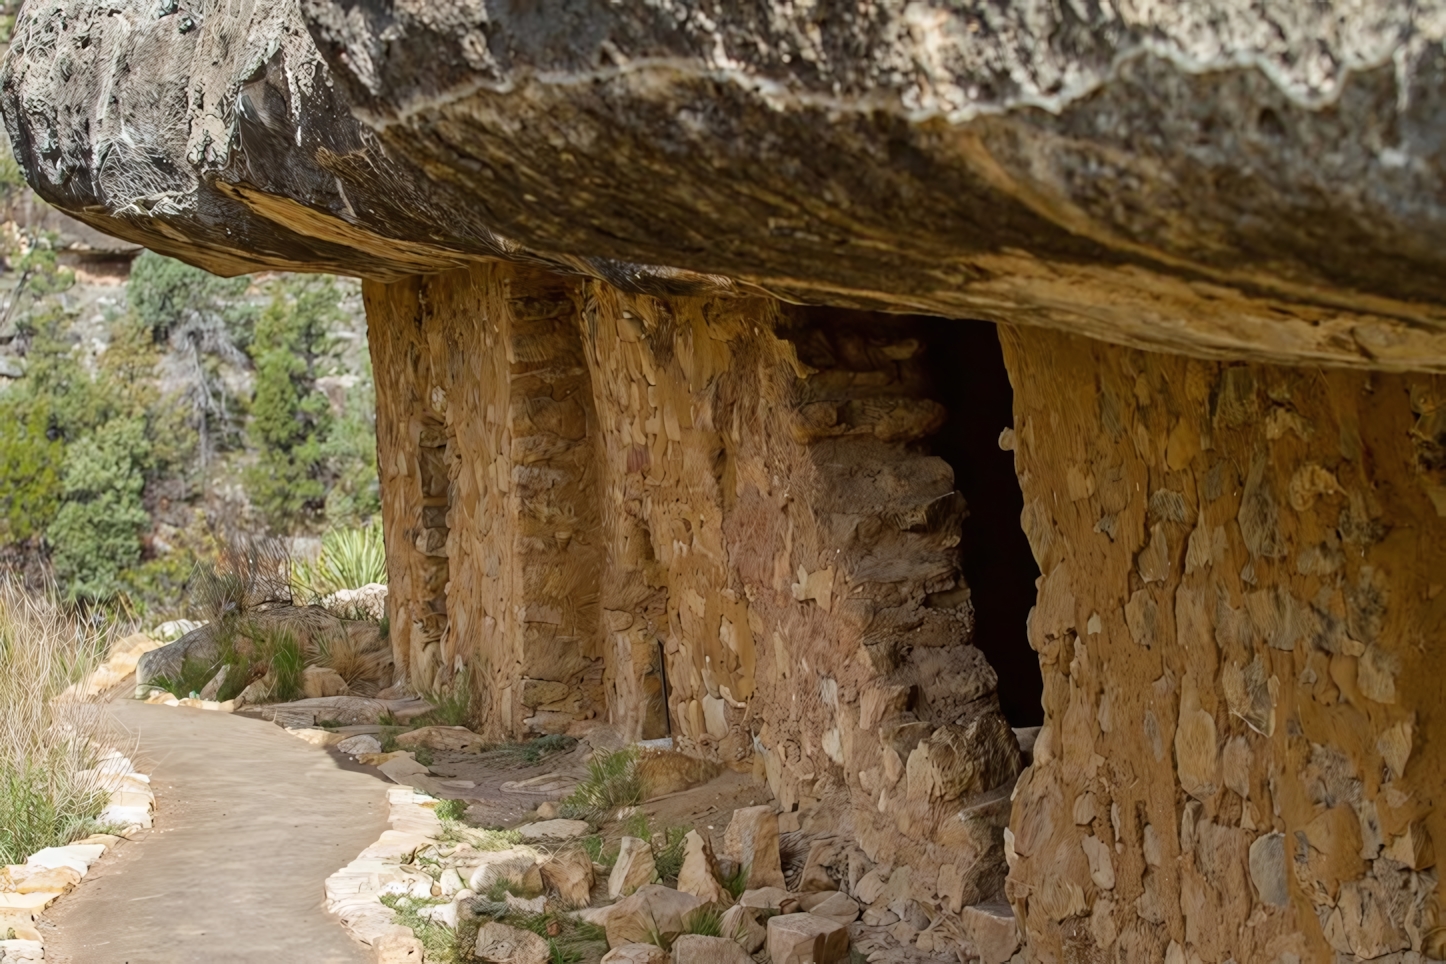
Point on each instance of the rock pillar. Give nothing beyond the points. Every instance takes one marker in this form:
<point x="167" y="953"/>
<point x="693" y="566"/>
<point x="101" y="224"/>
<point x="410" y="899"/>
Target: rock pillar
<point x="489" y="497"/>
<point x="1237" y="620"/>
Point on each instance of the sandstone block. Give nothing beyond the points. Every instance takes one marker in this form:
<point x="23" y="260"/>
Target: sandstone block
<point x="316" y="736"/>
<point x="517" y="865"/>
<point x="652" y="909"/>
<point x="456" y="739"/>
<point x="547" y="810"/>
<point x="806" y="939"/>
<point x="51" y="880"/>
<point x="752" y="840"/>
<point x="992" y="929"/>
<point x="715" y="716"/>
<point x="633" y="869"/>
<point x="502" y="944"/>
<point x="553" y="829"/>
<point x="699" y="874"/>
<point x="319" y="681"/>
<point x="636" y="954"/>
<point x="77" y="856"/>
<point x="451" y="882"/>
<point x="699" y="949"/>
<point x="526" y="905"/>
<point x="740" y="924"/>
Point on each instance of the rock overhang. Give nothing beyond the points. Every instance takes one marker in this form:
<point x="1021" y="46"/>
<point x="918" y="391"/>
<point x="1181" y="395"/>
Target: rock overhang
<point x="1212" y="178"/>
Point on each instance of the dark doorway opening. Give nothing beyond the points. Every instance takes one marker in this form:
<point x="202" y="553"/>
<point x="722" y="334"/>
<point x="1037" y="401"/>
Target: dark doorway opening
<point x="967" y="368"/>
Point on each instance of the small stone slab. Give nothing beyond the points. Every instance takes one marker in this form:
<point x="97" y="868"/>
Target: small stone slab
<point x="76" y="856"/>
<point x="399" y="768"/>
<point x="554" y="829"/>
<point x="501" y="944"/>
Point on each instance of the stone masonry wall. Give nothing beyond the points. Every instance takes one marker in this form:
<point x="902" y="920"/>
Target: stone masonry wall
<point x="713" y="517"/>
<point x="492" y="487"/>
<point x="1238" y="623"/>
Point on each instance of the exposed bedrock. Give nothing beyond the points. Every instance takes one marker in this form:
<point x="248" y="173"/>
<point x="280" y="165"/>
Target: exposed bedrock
<point x="1210" y="177"/>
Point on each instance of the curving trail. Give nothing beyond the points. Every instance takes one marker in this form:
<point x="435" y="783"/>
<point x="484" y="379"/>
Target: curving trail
<point x="249" y="823"/>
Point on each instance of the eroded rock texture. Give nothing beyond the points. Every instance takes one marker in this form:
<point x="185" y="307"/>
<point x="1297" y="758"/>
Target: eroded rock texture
<point x="1210" y="176"/>
<point x="1242" y="585"/>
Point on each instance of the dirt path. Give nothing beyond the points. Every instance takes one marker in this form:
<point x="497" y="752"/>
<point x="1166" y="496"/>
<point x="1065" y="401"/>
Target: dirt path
<point x="249" y="823"/>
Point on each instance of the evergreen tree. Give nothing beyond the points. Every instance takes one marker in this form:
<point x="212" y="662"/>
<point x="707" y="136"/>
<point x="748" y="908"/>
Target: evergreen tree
<point x="291" y="418"/>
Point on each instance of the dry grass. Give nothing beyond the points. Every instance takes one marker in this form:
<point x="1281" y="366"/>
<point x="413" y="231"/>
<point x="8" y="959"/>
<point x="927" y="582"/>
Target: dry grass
<point x="49" y="793"/>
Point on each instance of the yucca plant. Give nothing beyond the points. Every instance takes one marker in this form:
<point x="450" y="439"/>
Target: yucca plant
<point x="349" y="559"/>
<point x="49" y="790"/>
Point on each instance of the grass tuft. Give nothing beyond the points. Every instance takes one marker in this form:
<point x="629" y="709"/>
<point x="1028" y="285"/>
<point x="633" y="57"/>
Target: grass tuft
<point x="706" y="921"/>
<point x="49" y="791"/>
<point x="669" y="851"/>
<point x="612" y="783"/>
<point x="736" y="882"/>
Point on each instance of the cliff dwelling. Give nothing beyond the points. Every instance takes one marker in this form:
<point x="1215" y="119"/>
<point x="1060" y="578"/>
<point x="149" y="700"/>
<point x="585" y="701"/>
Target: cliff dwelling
<point x="1012" y="433"/>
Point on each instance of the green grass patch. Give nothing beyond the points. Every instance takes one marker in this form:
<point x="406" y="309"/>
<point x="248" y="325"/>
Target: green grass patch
<point x="569" y="940"/>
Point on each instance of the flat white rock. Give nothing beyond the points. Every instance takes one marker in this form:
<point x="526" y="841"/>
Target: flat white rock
<point x="554" y="829"/>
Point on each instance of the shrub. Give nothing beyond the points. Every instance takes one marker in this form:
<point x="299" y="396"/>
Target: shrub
<point x="96" y="531"/>
<point x="49" y="792"/>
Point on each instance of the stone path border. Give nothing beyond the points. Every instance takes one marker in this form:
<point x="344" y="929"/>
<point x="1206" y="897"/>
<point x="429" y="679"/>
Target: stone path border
<point x="354" y="892"/>
<point x="28" y="889"/>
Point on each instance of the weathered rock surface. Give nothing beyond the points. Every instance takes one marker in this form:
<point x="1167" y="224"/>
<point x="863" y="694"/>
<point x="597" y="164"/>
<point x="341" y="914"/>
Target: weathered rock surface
<point x="652" y="910"/>
<point x="634" y="867"/>
<point x="699" y="874"/>
<point x="457" y="739"/>
<point x="1152" y="175"/>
